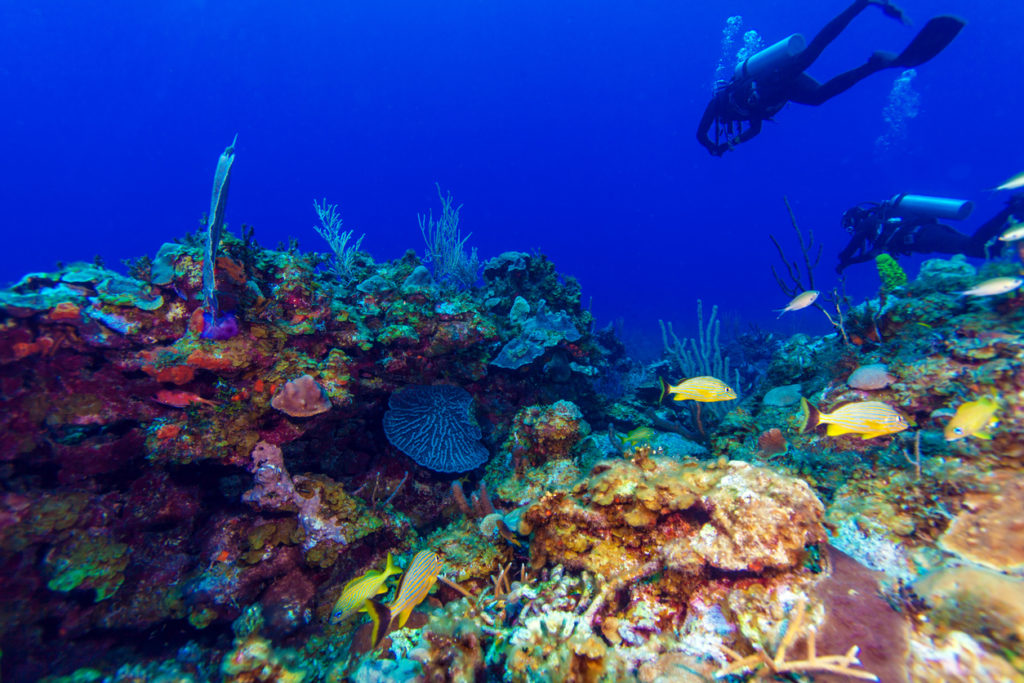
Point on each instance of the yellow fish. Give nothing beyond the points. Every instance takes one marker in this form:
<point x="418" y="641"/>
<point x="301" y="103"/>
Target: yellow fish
<point x="637" y="435"/>
<point x="360" y="589"/>
<point x="702" y="389"/>
<point x="867" y="418"/>
<point x="802" y="300"/>
<point x="1013" y="232"/>
<point x="417" y="581"/>
<point x="973" y="418"/>
<point x="1014" y="183"/>
<point x="993" y="287"/>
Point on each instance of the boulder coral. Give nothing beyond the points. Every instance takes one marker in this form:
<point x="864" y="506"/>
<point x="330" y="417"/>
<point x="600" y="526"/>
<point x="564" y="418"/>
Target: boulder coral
<point x="545" y="432"/>
<point x="689" y="518"/>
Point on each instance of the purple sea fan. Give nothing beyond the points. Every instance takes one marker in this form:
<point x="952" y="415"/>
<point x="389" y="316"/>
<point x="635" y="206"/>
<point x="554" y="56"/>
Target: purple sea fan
<point x="433" y="426"/>
<point x="220" y="328"/>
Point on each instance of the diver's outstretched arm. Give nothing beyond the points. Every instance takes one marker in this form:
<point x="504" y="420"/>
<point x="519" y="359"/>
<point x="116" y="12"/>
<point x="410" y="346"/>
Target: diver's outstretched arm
<point x="849" y="256"/>
<point x="860" y="258"/>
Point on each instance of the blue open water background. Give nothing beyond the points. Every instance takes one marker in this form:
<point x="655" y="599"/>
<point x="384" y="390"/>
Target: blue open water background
<point x="566" y="127"/>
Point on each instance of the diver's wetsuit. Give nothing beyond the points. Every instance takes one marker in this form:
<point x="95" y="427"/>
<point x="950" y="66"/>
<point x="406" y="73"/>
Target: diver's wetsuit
<point x="874" y="233"/>
<point x="746" y="100"/>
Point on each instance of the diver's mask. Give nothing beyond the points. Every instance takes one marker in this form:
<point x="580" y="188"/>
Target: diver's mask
<point x="851" y="218"/>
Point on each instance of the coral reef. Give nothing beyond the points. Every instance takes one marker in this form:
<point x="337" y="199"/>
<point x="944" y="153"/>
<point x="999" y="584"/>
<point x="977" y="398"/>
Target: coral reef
<point x="209" y="481"/>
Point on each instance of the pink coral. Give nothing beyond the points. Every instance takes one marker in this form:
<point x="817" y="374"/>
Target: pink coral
<point x="275" y="489"/>
<point x="274" y="486"/>
<point x="772" y="442"/>
<point x="870" y="377"/>
<point x="302" y="397"/>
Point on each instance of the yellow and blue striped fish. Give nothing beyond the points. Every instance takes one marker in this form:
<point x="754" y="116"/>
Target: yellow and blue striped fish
<point x="416" y="583"/>
<point x="867" y="418"/>
<point x="356" y="592"/>
<point x="702" y="389"/>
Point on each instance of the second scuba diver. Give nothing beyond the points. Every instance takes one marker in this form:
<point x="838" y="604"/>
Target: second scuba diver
<point x="909" y="224"/>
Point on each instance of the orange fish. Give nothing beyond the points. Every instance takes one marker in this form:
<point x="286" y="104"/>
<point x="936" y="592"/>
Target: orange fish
<point x="180" y="399"/>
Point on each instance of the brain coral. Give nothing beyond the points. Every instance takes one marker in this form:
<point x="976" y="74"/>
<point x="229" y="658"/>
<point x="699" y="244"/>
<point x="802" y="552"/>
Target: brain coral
<point x="434" y="427"/>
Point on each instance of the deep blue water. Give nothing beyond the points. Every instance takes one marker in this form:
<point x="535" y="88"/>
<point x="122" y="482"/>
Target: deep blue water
<point x="567" y="127"/>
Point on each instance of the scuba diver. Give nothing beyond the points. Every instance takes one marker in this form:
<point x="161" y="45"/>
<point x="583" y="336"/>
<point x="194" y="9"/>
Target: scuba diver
<point x="766" y="81"/>
<point x="909" y="224"/>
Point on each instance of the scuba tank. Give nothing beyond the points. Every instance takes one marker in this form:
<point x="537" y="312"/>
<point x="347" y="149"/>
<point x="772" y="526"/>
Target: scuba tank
<point x="771" y="57"/>
<point x="916" y="205"/>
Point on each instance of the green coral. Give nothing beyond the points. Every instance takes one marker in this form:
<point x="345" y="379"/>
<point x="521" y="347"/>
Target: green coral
<point x="85" y="560"/>
<point x="890" y="272"/>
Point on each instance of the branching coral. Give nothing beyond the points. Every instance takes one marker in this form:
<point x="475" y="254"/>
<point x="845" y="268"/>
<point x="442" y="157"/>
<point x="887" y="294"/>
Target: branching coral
<point x="762" y="665"/>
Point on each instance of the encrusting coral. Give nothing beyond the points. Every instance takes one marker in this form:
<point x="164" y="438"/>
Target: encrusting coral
<point x="685" y="516"/>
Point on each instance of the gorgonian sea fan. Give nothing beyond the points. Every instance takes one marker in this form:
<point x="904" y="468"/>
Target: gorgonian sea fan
<point x="433" y="425"/>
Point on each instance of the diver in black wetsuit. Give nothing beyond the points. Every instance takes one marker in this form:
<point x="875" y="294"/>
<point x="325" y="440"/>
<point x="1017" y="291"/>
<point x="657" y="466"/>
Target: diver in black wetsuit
<point x="909" y="224"/>
<point x="764" y="83"/>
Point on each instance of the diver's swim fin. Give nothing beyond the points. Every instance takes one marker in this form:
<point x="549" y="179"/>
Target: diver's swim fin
<point x="892" y="11"/>
<point x="930" y="41"/>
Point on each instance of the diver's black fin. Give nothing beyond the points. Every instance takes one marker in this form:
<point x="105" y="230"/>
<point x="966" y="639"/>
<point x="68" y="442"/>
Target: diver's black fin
<point x="892" y="11"/>
<point x="930" y="41"/>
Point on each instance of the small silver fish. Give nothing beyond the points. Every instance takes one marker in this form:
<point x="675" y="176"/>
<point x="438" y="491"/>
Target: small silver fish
<point x="997" y="285"/>
<point x="1013" y="232"/>
<point x="801" y="300"/>
<point x="1014" y="183"/>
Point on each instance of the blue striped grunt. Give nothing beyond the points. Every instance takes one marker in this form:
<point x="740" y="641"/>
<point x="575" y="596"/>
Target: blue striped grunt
<point x="416" y="583"/>
<point x="360" y="589"/>
<point x="867" y="418"/>
<point x="702" y="389"/>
